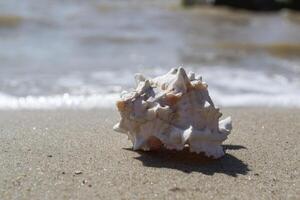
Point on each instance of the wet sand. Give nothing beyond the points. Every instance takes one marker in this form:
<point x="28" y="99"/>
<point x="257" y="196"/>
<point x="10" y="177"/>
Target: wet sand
<point x="76" y="155"/>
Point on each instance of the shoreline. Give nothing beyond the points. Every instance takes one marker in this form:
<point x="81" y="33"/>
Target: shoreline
<point x="64" y="154"/>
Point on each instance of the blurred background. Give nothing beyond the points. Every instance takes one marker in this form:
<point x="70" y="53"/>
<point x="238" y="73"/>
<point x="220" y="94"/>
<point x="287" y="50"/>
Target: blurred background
<point x="83" y="53"/>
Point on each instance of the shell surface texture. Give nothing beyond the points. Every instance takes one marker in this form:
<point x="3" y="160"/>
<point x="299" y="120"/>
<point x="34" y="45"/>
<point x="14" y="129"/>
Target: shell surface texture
<point x="173" y="111"/>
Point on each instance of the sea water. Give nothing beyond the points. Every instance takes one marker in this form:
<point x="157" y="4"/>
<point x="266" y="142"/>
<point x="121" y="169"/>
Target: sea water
<point x="83" y="53"/>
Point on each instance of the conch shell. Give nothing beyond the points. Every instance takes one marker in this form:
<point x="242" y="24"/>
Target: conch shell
<point x="174" y="111"/>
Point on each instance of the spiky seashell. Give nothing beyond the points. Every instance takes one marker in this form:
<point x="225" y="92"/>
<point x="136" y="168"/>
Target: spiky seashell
<point x="174" y="111"/>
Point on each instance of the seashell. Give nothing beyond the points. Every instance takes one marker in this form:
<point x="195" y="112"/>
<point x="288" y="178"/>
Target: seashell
<point x="172" y="111"/>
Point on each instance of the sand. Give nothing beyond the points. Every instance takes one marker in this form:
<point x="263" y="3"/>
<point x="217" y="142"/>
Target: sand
<point x="77" y="155"/>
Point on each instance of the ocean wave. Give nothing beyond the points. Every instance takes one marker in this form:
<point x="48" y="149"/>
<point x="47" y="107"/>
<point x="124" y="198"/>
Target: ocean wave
<point x="257" y="100"/>
<point x="64" y="101"/>
<point x="82" y="102"/>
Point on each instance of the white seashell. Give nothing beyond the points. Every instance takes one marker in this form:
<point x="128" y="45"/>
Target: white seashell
<point x="174" y="111"/>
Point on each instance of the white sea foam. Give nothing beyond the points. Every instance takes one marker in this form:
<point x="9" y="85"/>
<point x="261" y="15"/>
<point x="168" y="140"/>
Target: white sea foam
<point x="259" y="92"/>
<point x="108" y="101"/>
<point x="64" y="101"/>
<point x="259" y="100"/>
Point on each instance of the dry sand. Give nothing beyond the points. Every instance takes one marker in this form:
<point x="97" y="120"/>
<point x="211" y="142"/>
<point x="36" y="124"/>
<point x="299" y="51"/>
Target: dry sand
<point x="76" y="155"/>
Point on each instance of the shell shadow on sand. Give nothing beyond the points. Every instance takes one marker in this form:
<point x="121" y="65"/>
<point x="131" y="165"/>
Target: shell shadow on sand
<point x="191" y="162"/>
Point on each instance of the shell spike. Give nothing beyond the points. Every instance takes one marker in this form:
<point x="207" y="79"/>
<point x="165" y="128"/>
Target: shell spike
<point x="118" y="128"/>
<point x="225" y="125"/>
<point x="181" y="81"/>
<point x="191" y="76"/>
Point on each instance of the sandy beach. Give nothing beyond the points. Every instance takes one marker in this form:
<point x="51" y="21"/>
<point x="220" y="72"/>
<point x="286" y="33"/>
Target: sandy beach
<point x="76" y="155"/>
